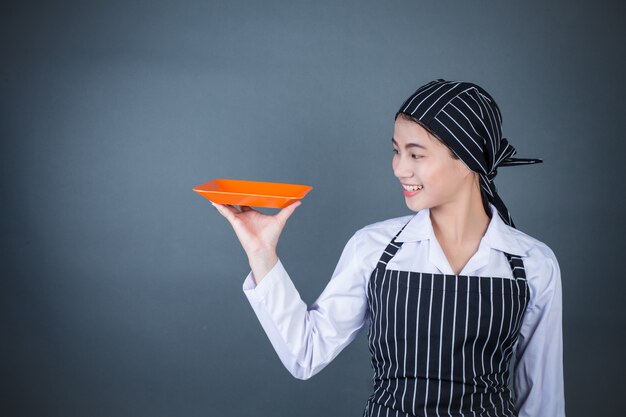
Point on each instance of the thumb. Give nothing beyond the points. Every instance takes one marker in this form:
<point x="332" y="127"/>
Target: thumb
<point x="286" y="212"/>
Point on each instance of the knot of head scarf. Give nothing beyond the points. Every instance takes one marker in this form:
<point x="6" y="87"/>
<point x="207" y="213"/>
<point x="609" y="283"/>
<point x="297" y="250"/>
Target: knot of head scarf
<point x="469" y="121"/>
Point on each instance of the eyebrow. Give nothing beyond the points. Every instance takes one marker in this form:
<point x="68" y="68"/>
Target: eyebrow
<point x="410" y="145"/>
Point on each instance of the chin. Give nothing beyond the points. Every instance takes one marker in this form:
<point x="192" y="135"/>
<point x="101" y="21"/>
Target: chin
<point x="419" y="204"/>
<point x="414" y="206"/>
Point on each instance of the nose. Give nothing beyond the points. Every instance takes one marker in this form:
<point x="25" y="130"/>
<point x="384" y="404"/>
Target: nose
<point x="401" y="168"/>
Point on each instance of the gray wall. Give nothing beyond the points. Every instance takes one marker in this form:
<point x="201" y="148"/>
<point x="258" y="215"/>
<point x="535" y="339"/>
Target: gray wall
<point x="121" y="287"/>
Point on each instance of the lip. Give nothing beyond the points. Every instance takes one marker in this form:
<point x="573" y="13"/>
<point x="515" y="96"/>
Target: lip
<point x="409" y="193"/>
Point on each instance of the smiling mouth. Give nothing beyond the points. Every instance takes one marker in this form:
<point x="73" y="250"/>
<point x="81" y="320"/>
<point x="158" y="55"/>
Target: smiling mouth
<point x="412" y="188"/>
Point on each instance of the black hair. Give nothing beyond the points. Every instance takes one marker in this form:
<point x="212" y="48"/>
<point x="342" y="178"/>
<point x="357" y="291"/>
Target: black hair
<point x="453" y="155"/>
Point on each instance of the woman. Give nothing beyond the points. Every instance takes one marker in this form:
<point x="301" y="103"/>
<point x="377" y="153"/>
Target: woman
<point x="454" y="296"/>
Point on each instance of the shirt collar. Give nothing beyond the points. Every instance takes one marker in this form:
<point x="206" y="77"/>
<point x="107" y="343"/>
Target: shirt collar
<point x="499" y="235"/>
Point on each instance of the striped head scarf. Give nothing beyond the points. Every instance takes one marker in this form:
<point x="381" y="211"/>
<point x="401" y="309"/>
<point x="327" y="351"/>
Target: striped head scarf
<point x="468" y="120"/>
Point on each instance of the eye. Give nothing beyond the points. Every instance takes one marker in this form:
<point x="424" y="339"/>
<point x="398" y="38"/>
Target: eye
<point x="395" y="150"/>
<point x="416" y="156"/>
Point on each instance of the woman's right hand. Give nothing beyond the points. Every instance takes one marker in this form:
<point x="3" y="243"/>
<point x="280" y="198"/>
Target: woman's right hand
<point x="258" y="233"/>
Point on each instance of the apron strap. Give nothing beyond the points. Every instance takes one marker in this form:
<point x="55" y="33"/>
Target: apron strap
<point x="517" y="266"/>
<point x="390" y="250"/>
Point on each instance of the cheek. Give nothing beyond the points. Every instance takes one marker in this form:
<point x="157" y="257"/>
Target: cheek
<point x="429" y="174"/>
<point x="437" y="178"/>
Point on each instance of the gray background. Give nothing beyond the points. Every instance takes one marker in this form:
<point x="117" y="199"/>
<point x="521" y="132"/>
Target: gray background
<point x="121" y="287"/>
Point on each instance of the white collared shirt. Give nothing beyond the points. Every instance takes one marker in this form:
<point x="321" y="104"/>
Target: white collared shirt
<point x="307" y="338"/>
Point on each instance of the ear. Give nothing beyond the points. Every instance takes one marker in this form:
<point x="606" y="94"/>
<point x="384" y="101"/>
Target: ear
<point x="476" y="178"/>
<point x="464" y="170"/>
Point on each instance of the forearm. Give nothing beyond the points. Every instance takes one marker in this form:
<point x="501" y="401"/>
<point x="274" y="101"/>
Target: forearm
<point x="286" y="321"/>
<point x="261" y="263"/>
<point x="307" y="338"/>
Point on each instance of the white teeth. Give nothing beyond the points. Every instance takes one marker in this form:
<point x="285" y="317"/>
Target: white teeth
<point x="412" y="187"/>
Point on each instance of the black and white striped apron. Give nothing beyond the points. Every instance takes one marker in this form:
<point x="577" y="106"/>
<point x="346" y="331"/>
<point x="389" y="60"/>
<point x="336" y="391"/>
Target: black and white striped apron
<point x="441" y="343"/>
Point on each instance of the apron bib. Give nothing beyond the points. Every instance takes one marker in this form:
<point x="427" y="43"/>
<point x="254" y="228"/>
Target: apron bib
<point x="440" y="343"/>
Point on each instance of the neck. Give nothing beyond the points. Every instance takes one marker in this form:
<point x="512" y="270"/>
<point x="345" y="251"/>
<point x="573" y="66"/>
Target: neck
<point x="461" y="221"/>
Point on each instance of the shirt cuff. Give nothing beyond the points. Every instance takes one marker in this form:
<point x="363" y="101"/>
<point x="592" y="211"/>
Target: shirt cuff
<point x="258" y="292"/>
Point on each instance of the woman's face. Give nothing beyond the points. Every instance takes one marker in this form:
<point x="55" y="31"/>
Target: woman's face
<point x="420" y="159"/>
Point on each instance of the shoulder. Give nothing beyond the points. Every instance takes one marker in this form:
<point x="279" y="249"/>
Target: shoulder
<point x="543" y="272"/>
<point x="382" y="230"/>
<point x="535" y="248"/>
<point x="369" y="241"/>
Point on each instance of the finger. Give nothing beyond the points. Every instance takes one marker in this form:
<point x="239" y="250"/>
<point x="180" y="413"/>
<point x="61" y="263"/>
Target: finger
<point x="286" y="212"/>
<point x="226" y="211"/>
<point x="247" y="208"/>
<point x="227" y="207"/>
<point x="233" y="208"/>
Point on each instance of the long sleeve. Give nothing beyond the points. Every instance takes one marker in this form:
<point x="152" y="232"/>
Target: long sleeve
<point x="305" y="338"/>
<point x="538" y="380"/>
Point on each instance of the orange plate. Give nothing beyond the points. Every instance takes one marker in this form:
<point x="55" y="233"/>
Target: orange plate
<point x="252" y="193"/>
